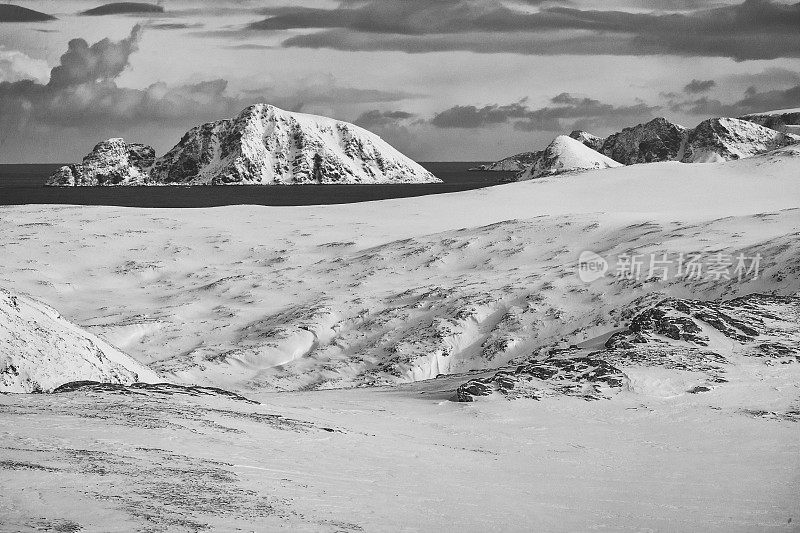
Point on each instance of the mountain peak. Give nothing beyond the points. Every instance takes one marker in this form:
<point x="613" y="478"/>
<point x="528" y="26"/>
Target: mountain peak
<point x="262" y="145"/>
<point x="566" y="154"/>
<point x="723" y="139"/>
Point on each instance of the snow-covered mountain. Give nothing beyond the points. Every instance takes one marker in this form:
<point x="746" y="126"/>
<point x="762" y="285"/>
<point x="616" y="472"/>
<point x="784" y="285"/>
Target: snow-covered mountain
<point x="40" y="350"/>
<point x="657" y="140"/>
<point x="111" y="162"/>
<point x="264" y="145"/>
<point x="566" y="154"/>
<point x="724" y="139"/>
<point x="717" y="139"/>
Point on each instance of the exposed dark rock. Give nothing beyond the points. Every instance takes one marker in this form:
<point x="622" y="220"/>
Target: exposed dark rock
<point x="672" y="335"/>
<point x="657" y="140"/>
<point x="592" y="141"/>
<point x="587" y="377"/>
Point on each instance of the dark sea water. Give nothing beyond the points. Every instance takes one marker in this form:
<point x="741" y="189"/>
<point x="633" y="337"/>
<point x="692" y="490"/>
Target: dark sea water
<point x="24" y="184"/>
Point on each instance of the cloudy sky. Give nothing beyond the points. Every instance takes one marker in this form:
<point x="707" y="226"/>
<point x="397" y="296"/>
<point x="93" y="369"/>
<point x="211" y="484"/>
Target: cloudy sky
<point x="439" y="79"/>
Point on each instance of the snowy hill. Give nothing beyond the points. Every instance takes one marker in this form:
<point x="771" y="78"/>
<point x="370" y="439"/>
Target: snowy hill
<point x="566" y="154"/>
<point x="264" y="145"/>
<point x="724" y="139"/>
<point x="40" y="351"/>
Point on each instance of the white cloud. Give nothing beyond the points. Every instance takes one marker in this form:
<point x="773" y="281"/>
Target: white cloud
<point x="15" y="66"/>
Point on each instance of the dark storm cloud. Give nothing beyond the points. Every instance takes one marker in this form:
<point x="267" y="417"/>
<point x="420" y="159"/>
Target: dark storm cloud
<point x="82" y="93"/>
<point x="567" y="112"/>
<point x="753" y="101"/>
<point x="754" y="29"/>
<point x="699" y="86"/>
<point x="770" y="77"/>
<point x="101" y="61"/>
<point x="478" y="117"/>
<point x="121" y="8"/>
<point x="376" y="118"/>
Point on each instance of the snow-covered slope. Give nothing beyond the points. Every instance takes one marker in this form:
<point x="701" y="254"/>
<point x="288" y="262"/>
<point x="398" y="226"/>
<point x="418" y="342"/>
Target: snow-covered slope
<point x="251" y="297"/>
<point x="566" y="154"/>
<point x="723" y="139"/>
<point x="264" y="145"/>
<point x="39" y="350"/>
<point x="111" y="162"/>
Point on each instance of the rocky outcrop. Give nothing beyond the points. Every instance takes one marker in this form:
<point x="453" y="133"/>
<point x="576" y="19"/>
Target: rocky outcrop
<point x="562" y="373"/>
<point x="592" y="141"/>
<point x="657" y="140"/>
<point x="724" y="139"/>
<point x="514" y="163"/>
<point x="264" y="145"/>
<point x="699" y="340"/>
<point x="40" y="350"/>
<point x="111" y="162"/>
<point x="566" y="154"/>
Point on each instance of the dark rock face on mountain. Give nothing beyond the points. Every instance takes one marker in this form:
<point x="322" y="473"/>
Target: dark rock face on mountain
<point x="707" y="339"/>
<point x="592" y="141"/>
<point x="724" y="139"/>
<point x="111" y="162"/>
<point x="514" y="163"/>
<point x="657" y="140"/>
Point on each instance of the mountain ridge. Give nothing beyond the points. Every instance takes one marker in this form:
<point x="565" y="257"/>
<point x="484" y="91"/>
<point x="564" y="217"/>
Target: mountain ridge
<point x="263" y="145"/>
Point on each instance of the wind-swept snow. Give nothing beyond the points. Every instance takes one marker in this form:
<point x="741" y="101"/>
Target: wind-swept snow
<point x="311" y="297"/>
